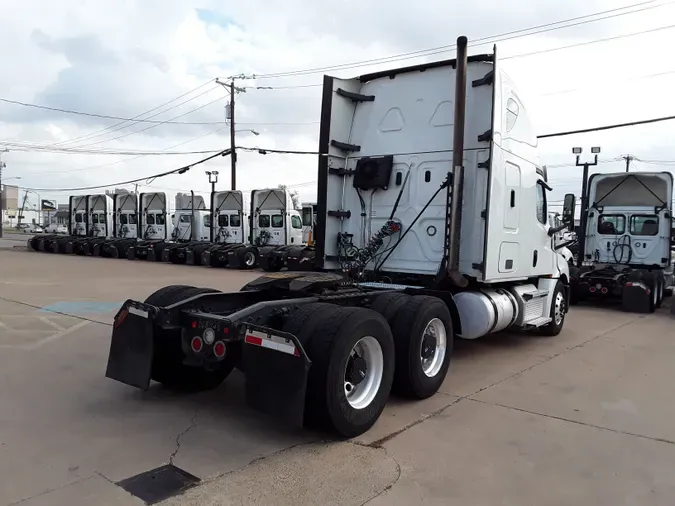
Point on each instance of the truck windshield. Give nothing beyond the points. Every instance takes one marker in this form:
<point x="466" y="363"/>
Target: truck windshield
<point x="235" y="220"/>
<point x="277" y="221"/>
<point x="644" y="224"/>
<point x="222" y="220"/>
<point x="611" y="224"/>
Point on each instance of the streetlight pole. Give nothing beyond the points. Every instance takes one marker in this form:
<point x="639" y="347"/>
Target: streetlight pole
<point x="213" y="179"/>
<point x="2" y="199"/>
<point x="584" y="200"/>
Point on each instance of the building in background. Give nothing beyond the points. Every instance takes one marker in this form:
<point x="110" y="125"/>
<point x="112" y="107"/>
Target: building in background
<point x="9" y="204"/>
<point x="58" y="215"/>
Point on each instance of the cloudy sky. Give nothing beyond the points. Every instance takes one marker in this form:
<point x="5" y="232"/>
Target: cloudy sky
<point x="129" y="57"/>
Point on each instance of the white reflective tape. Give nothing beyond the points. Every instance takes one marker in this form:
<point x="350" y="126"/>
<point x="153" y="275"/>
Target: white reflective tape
<point x="272" y="342"/>
<point x="138" y="312"/>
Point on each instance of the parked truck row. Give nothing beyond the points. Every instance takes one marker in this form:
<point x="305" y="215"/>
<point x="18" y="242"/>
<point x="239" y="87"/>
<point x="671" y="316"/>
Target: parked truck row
<point x="236" y="230"/>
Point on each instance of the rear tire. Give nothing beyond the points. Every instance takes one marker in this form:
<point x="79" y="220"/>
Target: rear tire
<point x="167" y="362"/>
<point x="660" y="287"/>
<point x="352" y="353"/>
<point x="423" y="336"/>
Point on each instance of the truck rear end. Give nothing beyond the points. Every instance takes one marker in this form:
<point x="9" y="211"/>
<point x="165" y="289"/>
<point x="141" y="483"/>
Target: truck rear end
<point x="627" y="245"/>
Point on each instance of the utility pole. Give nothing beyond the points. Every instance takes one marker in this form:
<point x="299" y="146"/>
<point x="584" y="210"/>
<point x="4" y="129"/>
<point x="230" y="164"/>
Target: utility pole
<point x="628" y="159"/>
<point x="584" y="200"/>
<point x="233" y="156"/>
<point x="232" y="89"/>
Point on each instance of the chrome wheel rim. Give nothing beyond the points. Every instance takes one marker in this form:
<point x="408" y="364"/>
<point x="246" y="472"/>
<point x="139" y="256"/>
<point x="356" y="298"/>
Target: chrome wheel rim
<point x="559" y="308"/>
<point x="433" y="347"/>
<point x="363" y="372"/>
<point x="249" y="259"/>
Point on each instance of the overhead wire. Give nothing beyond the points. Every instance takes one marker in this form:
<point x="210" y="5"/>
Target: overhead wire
<point x="111" y="128"/>
<point x="543" y="28"/>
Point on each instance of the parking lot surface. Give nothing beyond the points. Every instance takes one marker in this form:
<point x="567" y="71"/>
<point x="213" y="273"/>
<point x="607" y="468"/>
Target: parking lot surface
<point x="582" y="418"/>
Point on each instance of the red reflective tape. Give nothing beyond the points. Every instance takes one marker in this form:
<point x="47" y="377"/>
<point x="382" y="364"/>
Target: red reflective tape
<point x="253" y="340"/>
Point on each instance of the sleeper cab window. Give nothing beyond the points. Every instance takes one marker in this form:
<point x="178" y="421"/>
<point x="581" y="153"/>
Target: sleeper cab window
<point x="644" y="224"/>
<point x="512" y="111"/>
<point x="541" y="203"/>
<point x="611" y="224"/>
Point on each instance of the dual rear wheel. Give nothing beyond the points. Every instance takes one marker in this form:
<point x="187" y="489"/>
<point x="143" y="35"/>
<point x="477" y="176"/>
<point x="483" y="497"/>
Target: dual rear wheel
<point x="400" y="343"/>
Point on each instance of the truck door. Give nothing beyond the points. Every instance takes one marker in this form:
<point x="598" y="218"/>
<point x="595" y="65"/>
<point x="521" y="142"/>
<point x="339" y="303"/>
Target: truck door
<point x="604" y="232"/>
<point x="236" y="229"/>
<point x="296" y="232"/>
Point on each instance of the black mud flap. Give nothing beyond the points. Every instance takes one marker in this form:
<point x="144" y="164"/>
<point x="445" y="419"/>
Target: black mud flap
<point x="276" y="368"/>
<point x="131" y="347"/>
<point x="636" y="298"/>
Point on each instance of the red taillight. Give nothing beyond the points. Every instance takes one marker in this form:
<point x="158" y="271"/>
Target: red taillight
<point x="592" y="289"/>
<point x="196" y="344"/>
<point x="194" y="325"/>
<point x="604" y="290"/>
<point x="219" y="349"/>
<point x="226" y="330"/>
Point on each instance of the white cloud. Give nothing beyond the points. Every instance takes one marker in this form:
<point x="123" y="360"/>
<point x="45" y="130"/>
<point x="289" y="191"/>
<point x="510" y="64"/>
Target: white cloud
<point x="129" y="56"/>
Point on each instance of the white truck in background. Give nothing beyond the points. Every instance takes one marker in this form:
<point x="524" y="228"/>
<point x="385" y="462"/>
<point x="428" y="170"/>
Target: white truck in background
<point x="100" y="216"/>
<point x="431" y="225"/>
<point x="78" y="220"/>
<point x="625" y="248"/>
<point x="155" y="226"/>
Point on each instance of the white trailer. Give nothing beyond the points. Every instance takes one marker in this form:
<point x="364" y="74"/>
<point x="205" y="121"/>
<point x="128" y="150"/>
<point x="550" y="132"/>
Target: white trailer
<point x="431" y="225"/>
<point x="625" y="248"/>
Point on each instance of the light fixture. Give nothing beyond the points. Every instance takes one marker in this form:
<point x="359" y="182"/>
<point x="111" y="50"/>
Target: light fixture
<point x="595" y="150"/>
<point x="577" y="151"/>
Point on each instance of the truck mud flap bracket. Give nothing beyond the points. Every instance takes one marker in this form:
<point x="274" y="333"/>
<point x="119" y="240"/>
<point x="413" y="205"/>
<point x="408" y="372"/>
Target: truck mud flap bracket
<point x="131" y="347"/>
<point x="276" y="368"/>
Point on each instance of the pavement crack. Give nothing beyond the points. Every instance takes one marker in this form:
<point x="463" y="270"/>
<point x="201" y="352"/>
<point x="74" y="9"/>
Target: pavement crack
<point x="193" y="424"/>
<point x="577" y="422"/>
<point x="48" y="491"/>
<point x="389" y="437"/>
<point x="386" y="489"/>
<point x="556" y="355"/>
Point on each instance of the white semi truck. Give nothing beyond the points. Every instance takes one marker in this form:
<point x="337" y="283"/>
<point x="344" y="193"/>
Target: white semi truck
<point x="155" y="226"/>
<point x="431" y="225"/>
<point x="625" y="244"/>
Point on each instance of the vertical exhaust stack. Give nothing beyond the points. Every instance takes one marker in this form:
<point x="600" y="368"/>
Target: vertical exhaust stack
<point x="456" y="188"/>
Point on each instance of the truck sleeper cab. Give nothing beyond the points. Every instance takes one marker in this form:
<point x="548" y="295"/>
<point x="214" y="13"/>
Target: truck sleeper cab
<point x="394" y="284"/>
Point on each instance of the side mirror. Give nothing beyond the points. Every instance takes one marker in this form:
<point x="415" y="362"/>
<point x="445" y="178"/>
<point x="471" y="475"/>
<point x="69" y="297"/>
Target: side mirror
<point x="569" y="206"/>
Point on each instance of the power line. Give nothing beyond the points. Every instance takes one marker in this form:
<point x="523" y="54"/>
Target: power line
<point x="586" y="43"/>
<point x="547" y="27"/>
<point x="80" y="169"/>
<point x="156" y="122"/>
<point x="113" y="128"/>
<point x="148" y="179"/>
<point x="606" y="127"/>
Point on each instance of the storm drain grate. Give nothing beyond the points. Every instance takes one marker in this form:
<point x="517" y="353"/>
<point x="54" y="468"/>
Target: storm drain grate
<point x="159" y="484"/>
